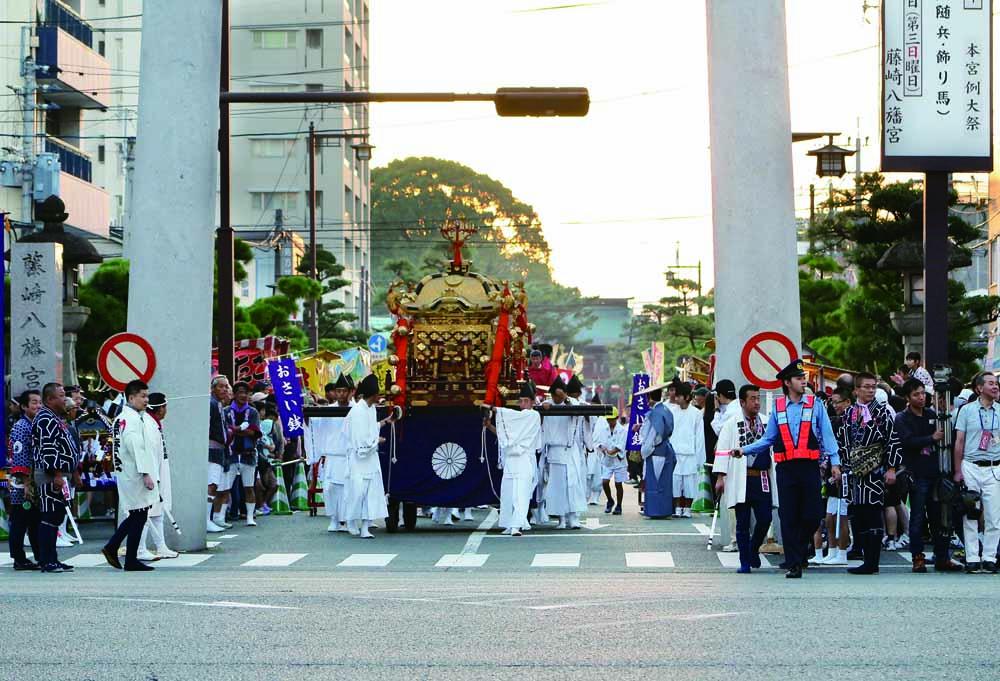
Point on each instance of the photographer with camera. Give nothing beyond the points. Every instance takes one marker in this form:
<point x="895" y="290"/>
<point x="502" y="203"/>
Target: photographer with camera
<point x="977" y="464"/>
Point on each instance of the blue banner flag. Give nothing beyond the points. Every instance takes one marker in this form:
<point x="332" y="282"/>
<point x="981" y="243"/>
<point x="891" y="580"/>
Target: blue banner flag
<point x="640" y="407"/>
<point x="284" y="377"/>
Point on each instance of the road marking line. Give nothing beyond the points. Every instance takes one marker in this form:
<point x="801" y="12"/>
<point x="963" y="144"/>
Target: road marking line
<point x="704" y="529"/>
<point x="85" y="560"/>
<point x="228" y="536"/>
<point x="367" y="560"/>
<point x="732" y="560"/>
<point x="184" y="560"/>
<point x="275" y="559"/>
<point x="649" y="559"/>
<point x="213" y="604"/>
<point x="556" y="560"/>
<point x="458" y="560"/>
<point x="212" y="544"/>
<point x="587" y="535"/>
<point x="476" y="538"/>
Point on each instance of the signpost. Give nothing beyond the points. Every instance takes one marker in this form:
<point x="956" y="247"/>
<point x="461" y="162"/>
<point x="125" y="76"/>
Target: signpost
<point x="764" y="355"/>
<point x="937" y="118"/>
<point x="126" y="357"/>
<point x="378" y="344"/>
<point x="36" y="338"/>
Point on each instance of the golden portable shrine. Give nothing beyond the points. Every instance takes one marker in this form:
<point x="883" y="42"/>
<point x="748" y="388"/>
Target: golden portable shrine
<point x="461" y="340"/>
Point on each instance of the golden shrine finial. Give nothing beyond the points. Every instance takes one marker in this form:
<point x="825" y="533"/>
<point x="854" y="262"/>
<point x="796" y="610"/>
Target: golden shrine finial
<point x="457" y="232"/>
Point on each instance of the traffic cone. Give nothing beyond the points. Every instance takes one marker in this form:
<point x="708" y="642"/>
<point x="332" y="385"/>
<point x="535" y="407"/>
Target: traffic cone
<point x="280" y="504"/>
<point x="4" y="523"/>
<point x="705" y="502"/>
<point x="300" y="489"/>
<point x="83" y="506"/>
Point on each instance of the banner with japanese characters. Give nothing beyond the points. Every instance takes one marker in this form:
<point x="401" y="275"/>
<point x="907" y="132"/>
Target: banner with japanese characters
<point x="937" y="95"/>
<point x="284" y="378"/>
<point x="640" y="407"/>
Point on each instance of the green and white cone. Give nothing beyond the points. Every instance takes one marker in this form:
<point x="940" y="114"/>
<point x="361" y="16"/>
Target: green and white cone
<point x="280" y="504"/>
<point x="705" y="502"/>
<point x="83" y="506"/>
<point x="4" y="522"/>
<point x="300" y="489"/>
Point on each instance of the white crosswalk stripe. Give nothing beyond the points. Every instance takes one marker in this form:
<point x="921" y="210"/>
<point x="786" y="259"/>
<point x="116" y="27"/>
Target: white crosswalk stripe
<point x="466" y="560"/>
<point x="732" y="560"/>
<point x="275" y="559"/>
<point x="556" y="560"/>
<point x="367" y="560"/>
<point x="655" y="559"/>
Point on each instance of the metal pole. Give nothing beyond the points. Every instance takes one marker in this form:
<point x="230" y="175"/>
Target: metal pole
<point x="936" y="268"/>
<point x="224" y="236"/>
<point x="699" y="289"/>
<point x="812" y="213"/>
<point x="314" y="304"/>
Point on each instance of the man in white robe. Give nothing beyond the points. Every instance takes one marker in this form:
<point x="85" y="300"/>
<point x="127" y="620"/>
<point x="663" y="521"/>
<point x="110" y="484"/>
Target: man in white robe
<point x="600" y="440"/>
<point x="564" y="471"/>
<point x="688" y="440"/>
<point x="135" y="467"/>
<point x="519" y="434"/>
<point x="364" y="489"/>
<point x="327" y="446"/>
<point x="156" y="411"/>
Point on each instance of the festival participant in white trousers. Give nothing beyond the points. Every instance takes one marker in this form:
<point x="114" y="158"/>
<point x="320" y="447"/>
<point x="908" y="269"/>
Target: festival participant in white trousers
<point x="519" y="434"/>
<point x="614" y="467"/>
<point x="156" y="411"/>
<point x="600" y="440"/>
<point x="688" y="440"/>
<point x="326" y="445"/>
<point x="565" y="480"/>
<point x="364" y="489"/>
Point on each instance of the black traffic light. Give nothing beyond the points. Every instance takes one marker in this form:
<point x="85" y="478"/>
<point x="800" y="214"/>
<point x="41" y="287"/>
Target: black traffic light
<point x="542" y="101"/>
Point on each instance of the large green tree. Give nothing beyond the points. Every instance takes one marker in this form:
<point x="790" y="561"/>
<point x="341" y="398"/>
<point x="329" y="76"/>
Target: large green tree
<point x="412" y="198"/>
<point x="857" y="332"/>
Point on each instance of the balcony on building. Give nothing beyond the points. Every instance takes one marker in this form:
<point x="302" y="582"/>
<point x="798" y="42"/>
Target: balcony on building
<point x="88" y="205"/>
<point x="74" y="74"/>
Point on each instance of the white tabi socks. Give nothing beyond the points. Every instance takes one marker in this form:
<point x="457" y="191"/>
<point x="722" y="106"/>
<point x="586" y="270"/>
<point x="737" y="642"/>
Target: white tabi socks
<point x="365" y="533"/>
<point x="250" y="509"/>
<point x="573" y="520"/>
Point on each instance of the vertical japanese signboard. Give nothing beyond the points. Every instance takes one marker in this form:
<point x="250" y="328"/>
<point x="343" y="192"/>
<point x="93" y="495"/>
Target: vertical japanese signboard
<point x="640" y="407"/>
<point x="288" y="394"/>
<point x="36" y="296"/>
<point x="937" y="95"/>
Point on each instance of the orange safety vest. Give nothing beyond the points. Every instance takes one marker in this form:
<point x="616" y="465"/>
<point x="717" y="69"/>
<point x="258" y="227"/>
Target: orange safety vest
<point x="805" y="446"/>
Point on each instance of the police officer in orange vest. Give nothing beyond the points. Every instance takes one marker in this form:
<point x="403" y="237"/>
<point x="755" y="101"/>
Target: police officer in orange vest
<point x="797" y="431"/>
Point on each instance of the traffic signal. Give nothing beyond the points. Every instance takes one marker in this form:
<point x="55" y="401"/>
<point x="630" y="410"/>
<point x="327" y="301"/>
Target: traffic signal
<point x="542" y="101"/>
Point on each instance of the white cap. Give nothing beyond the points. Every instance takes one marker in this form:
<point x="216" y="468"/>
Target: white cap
<point x="880" y="396"/>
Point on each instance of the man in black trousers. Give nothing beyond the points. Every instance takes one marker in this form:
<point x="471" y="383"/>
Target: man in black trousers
<point x="136" y="471"/>
<point x="55" y="459"/>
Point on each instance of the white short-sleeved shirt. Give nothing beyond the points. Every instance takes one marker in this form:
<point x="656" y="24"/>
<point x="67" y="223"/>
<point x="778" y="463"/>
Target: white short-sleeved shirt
<point x="974" y="419"/>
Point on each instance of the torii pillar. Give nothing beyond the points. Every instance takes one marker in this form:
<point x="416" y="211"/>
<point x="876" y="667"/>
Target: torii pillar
<point x="756" y="265"/>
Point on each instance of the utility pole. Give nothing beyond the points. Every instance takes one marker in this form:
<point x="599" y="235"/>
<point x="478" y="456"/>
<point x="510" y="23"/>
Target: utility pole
<point x="313" y="304"/>
<point x="129" y="177"/>
<point x="857" y="169"/>
<point x="812" y="213"/>
<point x="279" y="236"/>
<point x="224" y="248"/>
<point x="28" y="132"/>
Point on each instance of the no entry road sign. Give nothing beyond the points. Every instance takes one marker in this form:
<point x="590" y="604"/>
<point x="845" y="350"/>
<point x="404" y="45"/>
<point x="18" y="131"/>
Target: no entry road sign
<point x="126" y="357"/>
<point x="764" y="355"/>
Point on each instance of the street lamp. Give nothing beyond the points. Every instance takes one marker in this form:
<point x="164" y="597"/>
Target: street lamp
<point x="362" y="151"/>
<point x="830" y="159"/>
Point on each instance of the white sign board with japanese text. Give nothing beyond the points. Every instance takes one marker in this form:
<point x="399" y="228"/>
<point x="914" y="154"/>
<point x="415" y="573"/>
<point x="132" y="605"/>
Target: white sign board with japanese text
<point x="937" y="96"/>
<point x="36" y="297"/>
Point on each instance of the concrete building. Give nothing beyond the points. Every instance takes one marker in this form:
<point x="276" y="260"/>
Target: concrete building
<point x="288" y="47"/>
<point x="87" y="109"/>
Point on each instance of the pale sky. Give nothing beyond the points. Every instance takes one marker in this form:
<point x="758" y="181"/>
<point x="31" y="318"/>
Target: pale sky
<point x="617" y="189"/>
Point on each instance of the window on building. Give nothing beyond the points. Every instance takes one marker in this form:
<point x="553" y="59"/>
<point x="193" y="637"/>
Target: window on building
<point x="314" y="38"/>
<point x="286" y="201"/>
<point x="101" y="47"/>
<point x="348" y="43"/>
<point x="348" y="204"/>
<point x="314" y="87"/>
<point x="275" y="40"/>
<point x="270" y="147"/>
<point x="100" y="153"/>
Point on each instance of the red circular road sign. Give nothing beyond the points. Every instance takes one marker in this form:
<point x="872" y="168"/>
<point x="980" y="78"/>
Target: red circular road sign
<point x="764" y="355"/>
<point x="126" y="357"/>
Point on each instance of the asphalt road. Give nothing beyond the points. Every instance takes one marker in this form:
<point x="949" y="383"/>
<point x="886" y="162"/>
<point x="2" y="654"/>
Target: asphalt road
<point x="297" y="612"/>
